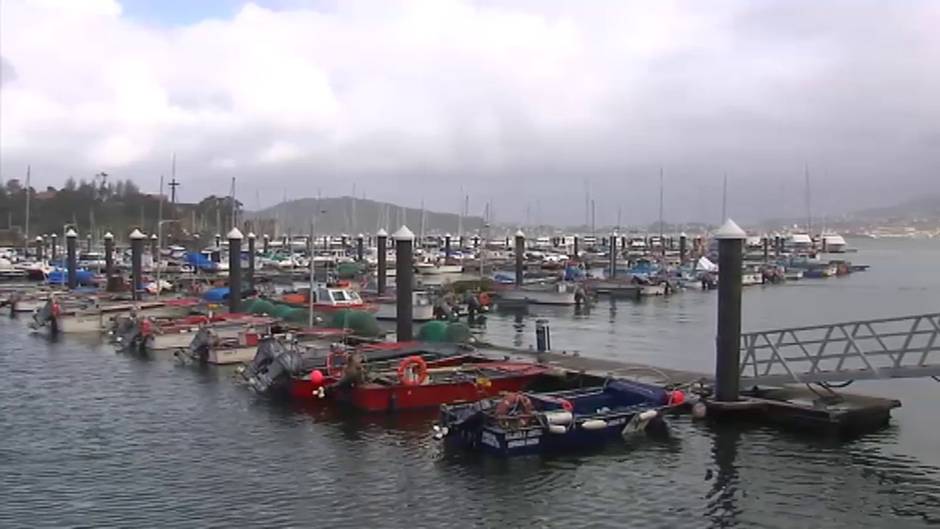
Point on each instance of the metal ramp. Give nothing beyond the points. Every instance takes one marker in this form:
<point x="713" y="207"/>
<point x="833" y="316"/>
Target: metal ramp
<point x="902" y="347"/>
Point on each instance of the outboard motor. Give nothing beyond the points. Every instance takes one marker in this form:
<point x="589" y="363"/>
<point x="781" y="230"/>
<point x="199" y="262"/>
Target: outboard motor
<point x="134" y="335"/>
<point x="273" y="363"/>
<point x="199" y="347"/>
<point x="47" y="315"/>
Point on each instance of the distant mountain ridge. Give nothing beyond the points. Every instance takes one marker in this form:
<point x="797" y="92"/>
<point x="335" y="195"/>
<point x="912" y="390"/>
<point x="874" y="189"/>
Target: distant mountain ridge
<point x="919" y="207"/>
<point x="356" y="215"/>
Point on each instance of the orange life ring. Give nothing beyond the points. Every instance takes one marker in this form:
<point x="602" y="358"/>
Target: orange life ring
<point x="333" y="368"/>
<point x="514" y="404"/>
<point x="484" y="299"/>
<point x="413" y="371"/>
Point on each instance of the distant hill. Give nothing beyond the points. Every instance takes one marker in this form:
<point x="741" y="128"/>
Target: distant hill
<point x="354" y="215"/>
<point x="923" y="207"/>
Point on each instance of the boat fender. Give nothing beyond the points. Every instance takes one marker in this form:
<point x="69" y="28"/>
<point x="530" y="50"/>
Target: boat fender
<point x="558" y="417"/>
<point x="557" y="429"/>
<point x="648" y="415"/>
<point x="413" y="371"/>
<point x="594" y="424"/>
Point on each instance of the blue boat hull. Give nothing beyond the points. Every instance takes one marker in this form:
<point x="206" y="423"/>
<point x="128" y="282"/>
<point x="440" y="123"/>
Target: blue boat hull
<point x="556" y="422"/>
<point x="537" y="440"/>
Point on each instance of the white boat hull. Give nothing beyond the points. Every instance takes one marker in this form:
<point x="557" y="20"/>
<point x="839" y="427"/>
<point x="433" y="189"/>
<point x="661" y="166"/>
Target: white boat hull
<point x="653" y="290"/>
<point x="231" y="355"/>
<point x="389" y="311"/>
<point x="538" y="297"/>
<point x="748" y="279"/>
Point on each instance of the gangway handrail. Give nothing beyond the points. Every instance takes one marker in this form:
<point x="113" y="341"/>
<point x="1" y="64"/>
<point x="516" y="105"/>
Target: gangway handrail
<point x="859" y="349"/>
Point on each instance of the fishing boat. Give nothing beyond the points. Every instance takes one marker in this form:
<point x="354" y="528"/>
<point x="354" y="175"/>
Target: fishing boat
<point x="10" y="272"/>
<point x="438" y="268"/>
<point x="278" y="368"/>
<point x="422" y="307"/>
<point x="415" y="384"/>
<point x="561" y="293"/>
<point x="158" y="334"/>
<point x="331" y="298"/>
<point x="751" y="276"/>
<point x="833" y="243"/>
<point x="536" y="423"/>
<point x="207" y="347"/>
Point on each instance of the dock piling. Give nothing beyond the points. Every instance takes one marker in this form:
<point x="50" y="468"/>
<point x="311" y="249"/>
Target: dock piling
<point x="613" y="255"/>
<point x="575" y="255"/>
<point x="39" y="247"/>
<point x="265" y="243"/>
<point x="543" y="336"/>
<point x="251" y="261"/>
<point x="380" y="239"/>
<point x="683" y="247"/>
<point x="447" y="247"/>
<point x="109" y="262"/>
<point x="766" y="244"/>
<point x="137" y="251"/>
<point x="360" y="247"/>
<point x="71" y="241"/>
<point x="520" y="254"/>
<point x="154" y="250"/>
<point x="234" y="270"/>
<point x="404" y="280"/>
<point x="728" y="342"/>
<point x="88" y="243"/>
<point x="54" y="252"/>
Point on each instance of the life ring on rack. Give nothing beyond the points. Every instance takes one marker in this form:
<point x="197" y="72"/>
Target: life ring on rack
<point x="336" y="362"/>
<point x="413" y="371"/>
<point x="514" y="404"/>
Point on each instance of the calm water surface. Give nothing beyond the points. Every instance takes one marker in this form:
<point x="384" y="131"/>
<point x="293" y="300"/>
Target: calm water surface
<point x="89" y="438"/>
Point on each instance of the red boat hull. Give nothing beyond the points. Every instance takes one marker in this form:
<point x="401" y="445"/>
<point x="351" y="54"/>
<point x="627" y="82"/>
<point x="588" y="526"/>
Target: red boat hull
<point x="304" y="388"/>
<point x="375" y="397"/>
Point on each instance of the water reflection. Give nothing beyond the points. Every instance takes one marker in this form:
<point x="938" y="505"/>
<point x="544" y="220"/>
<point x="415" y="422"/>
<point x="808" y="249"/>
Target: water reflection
<point x="722" y="506"/>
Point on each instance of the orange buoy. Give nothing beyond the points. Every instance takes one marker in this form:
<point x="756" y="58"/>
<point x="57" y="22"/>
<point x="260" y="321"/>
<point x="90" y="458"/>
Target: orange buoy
<point x="413" y="371"/>
<point x="676" y="397"/>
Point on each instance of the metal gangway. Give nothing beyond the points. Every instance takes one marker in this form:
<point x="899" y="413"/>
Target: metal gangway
<point x="901" y="347"/>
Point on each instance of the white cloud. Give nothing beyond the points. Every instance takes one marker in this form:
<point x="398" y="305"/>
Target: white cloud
<point x="452" y="88"/>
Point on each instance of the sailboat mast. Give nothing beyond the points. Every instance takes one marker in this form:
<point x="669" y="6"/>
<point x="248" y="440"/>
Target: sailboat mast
<point x="660" y="205"/>
<point x="724" y="200"/>
<point x="234" y="207"/>
<point x="26" y="221"/>
<point x="809" y="209"/>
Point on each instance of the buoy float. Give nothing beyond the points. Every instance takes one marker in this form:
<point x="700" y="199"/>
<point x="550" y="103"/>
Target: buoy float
<point x="594" y="424"/>
<point x="316" y="376"/>
<point x="557" y="429"/>
<point x="558" y="417"/>
<point x="676" y="397"/>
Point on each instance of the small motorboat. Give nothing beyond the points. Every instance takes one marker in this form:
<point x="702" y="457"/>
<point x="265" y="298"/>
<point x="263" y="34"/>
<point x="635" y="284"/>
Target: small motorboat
<point x="417" y="384"/>
<point x="330" y="298"/>
<point x="207" y="347"/>
<point x="277" y="367"/>
<point x="536" y="423"/>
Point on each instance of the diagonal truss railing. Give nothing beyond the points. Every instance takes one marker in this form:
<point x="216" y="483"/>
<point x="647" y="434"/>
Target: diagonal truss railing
<point x="901" y="347"/>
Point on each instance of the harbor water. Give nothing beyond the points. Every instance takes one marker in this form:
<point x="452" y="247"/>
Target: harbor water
<point x="90" y="438"/>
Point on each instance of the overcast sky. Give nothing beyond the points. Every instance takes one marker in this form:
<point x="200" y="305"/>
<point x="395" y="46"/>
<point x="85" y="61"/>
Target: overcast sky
<point x="521" y="103"/>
